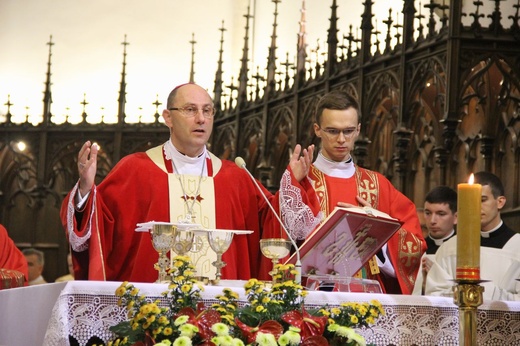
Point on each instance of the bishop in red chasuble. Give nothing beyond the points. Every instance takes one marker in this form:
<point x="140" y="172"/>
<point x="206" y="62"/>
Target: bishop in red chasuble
<point x="141" y="188"/>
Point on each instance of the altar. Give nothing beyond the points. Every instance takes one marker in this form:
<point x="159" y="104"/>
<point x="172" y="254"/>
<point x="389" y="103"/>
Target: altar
<point x="81" y="313"/>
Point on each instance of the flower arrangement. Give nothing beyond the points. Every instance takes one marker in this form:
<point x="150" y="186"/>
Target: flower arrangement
<point x="273" y="315"/>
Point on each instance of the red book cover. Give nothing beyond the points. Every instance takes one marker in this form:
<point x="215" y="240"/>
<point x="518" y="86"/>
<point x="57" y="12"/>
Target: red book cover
<point x="345" y="241"/>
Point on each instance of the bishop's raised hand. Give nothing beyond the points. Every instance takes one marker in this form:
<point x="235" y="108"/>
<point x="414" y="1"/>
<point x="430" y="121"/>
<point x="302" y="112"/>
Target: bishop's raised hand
<point x="87" y="166"/>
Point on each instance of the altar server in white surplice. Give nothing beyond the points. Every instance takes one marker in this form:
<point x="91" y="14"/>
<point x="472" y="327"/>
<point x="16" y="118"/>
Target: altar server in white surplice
<point x="440" y="214"/>
<point x="499" y="255"/>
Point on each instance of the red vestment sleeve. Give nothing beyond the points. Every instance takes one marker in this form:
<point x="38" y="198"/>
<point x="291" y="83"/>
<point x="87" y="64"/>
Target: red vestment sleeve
<point x="10" y="256"/>
<point x="406" y="247"/>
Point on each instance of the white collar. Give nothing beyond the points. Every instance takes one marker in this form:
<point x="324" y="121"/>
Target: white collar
<point x="439" y="242"/>
<point x="184" y="163"/>
<point x="344" y="169"/>
<point x="488" y="233"/>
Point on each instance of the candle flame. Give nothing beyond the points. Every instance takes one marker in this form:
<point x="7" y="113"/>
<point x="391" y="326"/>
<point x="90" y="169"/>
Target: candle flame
<point x="471" y="179"/>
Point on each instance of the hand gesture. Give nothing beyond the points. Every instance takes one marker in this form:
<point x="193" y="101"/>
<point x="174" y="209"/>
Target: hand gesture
<point x="87" y="166"/>
<point x="300" y="163"/>
<point x="426" y="265"/>
<point x="360" y="200"/>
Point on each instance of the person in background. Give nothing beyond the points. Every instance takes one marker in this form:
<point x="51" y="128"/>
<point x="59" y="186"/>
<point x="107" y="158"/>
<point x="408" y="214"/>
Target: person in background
<point x="499" y="255"/>
<point x="178" y="182"/>
<point x="12" y="259"/>
<point x="36" y="262"/>
<point x="440" y="213"/>
<point x="338" y="181"/>
<point x="70" y="275"/>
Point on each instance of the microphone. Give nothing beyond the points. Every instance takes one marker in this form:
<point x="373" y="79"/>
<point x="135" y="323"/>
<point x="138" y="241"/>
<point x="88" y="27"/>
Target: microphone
<point x="298" y="266"/>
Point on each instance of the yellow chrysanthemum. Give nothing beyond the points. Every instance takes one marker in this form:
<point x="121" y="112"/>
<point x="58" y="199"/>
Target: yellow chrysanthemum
<point x="120" y="291"/>
<point x="146" y="309"/>
<point x="229" y="319"/>
<point x="335" y="311"/>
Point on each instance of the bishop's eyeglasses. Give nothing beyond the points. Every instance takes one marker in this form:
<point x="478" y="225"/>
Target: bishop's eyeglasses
<point x="190" y="111"/>
<point x="334" y="133"/>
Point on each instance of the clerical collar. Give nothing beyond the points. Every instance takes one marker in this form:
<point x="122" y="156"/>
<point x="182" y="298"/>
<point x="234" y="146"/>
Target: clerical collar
<point x="184" y="163"/>
<point x="343" y="169"/>
<point x="439" y="242"/>
<point x="489" y="233"/>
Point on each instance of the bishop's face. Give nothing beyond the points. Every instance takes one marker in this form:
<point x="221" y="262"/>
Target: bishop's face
<point x="189" y="134"/>
<point x="338" y="130"/>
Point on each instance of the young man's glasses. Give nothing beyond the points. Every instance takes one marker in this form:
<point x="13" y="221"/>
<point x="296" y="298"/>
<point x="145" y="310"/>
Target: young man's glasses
<point x="191" y="111"/>
<point x="334" y="133"/>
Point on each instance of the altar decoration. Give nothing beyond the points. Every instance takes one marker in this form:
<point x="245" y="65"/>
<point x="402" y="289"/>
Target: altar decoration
<point x="273" y="315"/>
<point x="467" y="292"/>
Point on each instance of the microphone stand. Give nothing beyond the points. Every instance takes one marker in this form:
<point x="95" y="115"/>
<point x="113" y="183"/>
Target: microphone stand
<point x="298" y="266"/>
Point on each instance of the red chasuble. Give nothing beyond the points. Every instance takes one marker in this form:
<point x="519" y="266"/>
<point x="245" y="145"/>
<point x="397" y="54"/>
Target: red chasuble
<point x="406" y="247"/>
<point x="106" y="246"/>
<point x="10" y="256"/>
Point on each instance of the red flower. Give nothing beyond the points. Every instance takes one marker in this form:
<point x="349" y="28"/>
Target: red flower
<point x="204" y="320"/>
<point x="268" y="327"/>
<point x="148" y="340"/>
<point x="308" y="324"/>
<point x="315" y="340"/>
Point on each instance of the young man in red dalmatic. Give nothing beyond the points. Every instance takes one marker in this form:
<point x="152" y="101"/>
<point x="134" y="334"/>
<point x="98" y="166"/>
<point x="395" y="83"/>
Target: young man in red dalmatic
<point x="339" y="182"/>
<point x="180" y="181"/>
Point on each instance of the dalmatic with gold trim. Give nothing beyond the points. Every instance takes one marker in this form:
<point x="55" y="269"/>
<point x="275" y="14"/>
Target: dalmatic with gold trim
<point x="405" y="248"/>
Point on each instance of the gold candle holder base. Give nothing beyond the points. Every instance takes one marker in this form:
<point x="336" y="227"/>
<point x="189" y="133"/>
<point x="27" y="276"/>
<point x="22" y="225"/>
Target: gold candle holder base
<point x="468" y="296"/>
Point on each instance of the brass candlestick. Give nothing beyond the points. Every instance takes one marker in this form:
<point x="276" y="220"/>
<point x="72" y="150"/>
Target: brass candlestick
<point x="468" y="296"/>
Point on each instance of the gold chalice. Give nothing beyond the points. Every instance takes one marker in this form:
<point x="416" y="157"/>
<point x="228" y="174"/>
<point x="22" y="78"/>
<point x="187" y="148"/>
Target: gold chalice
<point x="274" y="249"/>
<point x="162" y="240"/>
<point x="219" y="241"/>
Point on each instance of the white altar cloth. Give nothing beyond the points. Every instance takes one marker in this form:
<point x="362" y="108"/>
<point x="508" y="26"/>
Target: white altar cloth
<point x="84" y="311"/>
<point x="25" y="313"/>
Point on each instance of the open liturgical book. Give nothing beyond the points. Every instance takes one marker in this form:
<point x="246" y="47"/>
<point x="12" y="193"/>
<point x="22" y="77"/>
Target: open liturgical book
<point x="345" y="241"/>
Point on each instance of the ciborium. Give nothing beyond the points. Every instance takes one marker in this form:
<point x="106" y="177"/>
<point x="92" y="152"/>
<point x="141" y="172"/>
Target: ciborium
<point x="274" y="249"/>
<point x="163" y="237"/>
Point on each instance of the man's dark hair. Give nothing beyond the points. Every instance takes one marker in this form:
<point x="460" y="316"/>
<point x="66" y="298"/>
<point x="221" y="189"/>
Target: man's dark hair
<point x="487" y="178"/>
<point x="336" y="99"/>
<point x="443" y="194"/>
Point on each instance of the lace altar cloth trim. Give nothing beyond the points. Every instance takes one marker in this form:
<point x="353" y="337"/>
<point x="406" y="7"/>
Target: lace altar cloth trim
<point x="85" y="313"/>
